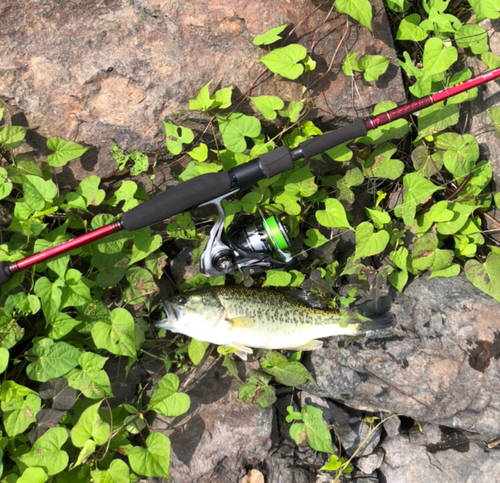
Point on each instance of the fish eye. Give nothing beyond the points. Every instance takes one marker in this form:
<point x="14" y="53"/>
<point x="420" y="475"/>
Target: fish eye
<point x="181" y="300"/>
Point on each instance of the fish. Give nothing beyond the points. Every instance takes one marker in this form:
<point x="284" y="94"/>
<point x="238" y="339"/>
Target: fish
<point x="251" y="318"/>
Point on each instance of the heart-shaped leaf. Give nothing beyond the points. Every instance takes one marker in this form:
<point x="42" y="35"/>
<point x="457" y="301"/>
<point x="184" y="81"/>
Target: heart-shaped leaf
<point x="166" y="400"/>
<point x="485" y="276"/>
<point x="369" y="243"/>
<point x="53" y="359"/>
<point x="268" y="105"/>
<point x="285" y="61"/>
<point x="270" y="36"/>
<point x="118" y="336"/>
<point x="235" y="127"/>
<point x="334" y="215"/>
<point x="90" y="426"/>
<point x="64" y="151"/>
<point x="153" y="460"/>
<point x="46" y="452"/>
<point x="176" y="136"/>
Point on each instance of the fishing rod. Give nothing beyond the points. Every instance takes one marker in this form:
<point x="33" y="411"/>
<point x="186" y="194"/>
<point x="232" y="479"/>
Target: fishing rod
<point x="220" y="256"/>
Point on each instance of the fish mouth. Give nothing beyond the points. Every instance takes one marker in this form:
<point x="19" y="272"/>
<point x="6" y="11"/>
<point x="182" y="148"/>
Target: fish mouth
<point x="172" y="315"/>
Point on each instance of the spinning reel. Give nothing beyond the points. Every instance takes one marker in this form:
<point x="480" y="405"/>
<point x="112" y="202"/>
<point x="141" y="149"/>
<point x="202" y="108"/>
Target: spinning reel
<point x="252" y="247"/>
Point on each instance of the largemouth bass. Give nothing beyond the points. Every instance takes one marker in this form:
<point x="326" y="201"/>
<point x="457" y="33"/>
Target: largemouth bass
<point x="266" y="319"/>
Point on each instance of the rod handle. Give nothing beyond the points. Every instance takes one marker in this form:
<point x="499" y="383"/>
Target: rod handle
<point x="320" y="144"/>
<point x="5" y="273"/>
<point x="177" y="199"/>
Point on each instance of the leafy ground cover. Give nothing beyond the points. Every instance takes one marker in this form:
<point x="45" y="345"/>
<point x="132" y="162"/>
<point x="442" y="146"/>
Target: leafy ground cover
<point x="60" y="322"/>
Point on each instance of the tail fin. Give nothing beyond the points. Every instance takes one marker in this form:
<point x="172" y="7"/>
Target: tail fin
<point x="378" y="312"/>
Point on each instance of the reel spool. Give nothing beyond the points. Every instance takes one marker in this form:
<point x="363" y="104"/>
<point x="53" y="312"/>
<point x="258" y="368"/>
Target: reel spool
<point x="252" y="248"/>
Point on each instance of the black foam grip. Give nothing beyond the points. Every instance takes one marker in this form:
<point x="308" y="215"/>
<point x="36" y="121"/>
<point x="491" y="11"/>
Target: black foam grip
<point x="5" y="274"/>
<point x="276" y="162"/>
<point x="323" y="143"/>
<point x="177" y="199"/>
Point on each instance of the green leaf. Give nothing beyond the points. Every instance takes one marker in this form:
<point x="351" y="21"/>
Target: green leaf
<point x="11" y="332"/>
<point x="75" y="292"/>
<point x="4" y="360"/>
<point x="196" y="350"/>
<point x="373" y="66"/>
<point x="199" y="153"/>
<point x="202" y="101"/>
<point x="19" y="406"/>
<point x="46" y="452"/>
<point x="195" y="168"/>
<point x="153" y="460"/>
<point x="288" y="373"/>
<point x="53" y="359"/>
<point x="33" y="475"/>
<point x="292" y="111"/>
<point x="142" y="285"/>
<point x="88" y="448"/>
<point x="360" y="10"/>
<point x="485" y="9"/>
<point x="419" y="189"/>
<point x="491" y="60"/>
<point x="141" y="163"/>
<point x="437" y="118"/>
<point x="474" y="37"/>
<point x="90" y="426"/>
<point x="268" y="105"/>
<point x="315" y="238"/>
<point x="485" y="276"/>
<point x="285" y="61"/>
<point x="176" y="136"/>
<point x="289" y="203"/>
<point x="64" y="151"/>
<point x="117" y="336"/>
<point x="460" y="215"/>
<point x="91" y="379"/>
<point x="333" y="216"/>
<point x="335" y="463"/>
<point x="379" y="217"/>
<point x="166" y="400"/>
<point x="398" y="279"/>
<point x="118" y="472"/>
<point x="437" y="58"/>
<point x="409" y="29"/>
<point x="5" y="184"/>
<point x="11" y="137"/>
<point x="451" y="271"/>
<point x="494" y="115"/>
<point x="277" y="278"/>
<point x="313" y="430"/>
<point x="426" y="164"/>
<point x="350" y="64"/>
<point x="460" y="161"/>
<point x="235" y="127"/>
<point x="144" y="245"/>
<point x="301" y="182"/>
<point x="38" y="191"/>
<point x="270" y="36"/>
<point x="381" y="165"/>
<point x="369" y="243"/>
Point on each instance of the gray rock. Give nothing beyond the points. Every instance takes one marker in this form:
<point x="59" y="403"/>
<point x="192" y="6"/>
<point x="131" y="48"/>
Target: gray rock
<point x="392" y="426"/>
<point x="440" y="364"/>
<point x="434" y="456"/>
<point x="368" y="464"/>
<point x="281" y="466"/>
<point x="90" y="71"/>
<point x="219" y="436"/>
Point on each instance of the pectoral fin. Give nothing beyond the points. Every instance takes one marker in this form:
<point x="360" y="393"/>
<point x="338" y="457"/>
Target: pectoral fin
<point x="242" y="322"/>
<point x="242" y="349"/>
<point x="311" y="345"/>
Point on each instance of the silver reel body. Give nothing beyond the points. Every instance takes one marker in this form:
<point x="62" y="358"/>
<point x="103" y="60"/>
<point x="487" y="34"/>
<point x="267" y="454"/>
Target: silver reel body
<point x="251" y="248"/>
